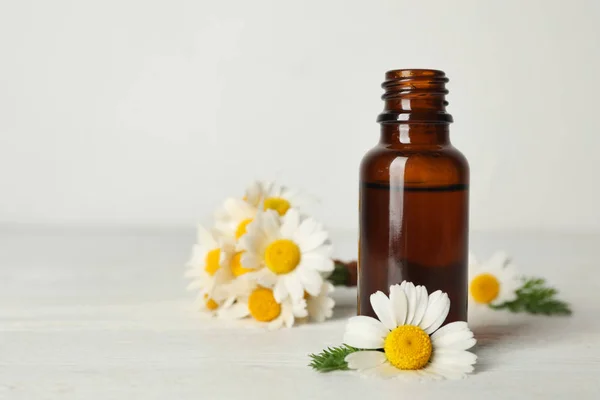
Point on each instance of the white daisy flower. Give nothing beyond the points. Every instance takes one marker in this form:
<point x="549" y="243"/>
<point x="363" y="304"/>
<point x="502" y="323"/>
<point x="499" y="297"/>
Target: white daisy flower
<point x="233" y="218"/>
<point x="290" y="255"/>
<point x="271" y="196"/>
<point x="407" y="332"/>
<point x="320" y="307"/>
<point x="209" y="268"/>
<point x="493" y="282"/>
<point x="260" y="304"/>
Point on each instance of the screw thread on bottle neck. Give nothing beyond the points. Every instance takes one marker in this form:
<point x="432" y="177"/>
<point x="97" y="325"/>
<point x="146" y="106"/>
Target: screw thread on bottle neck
<point x="415" y="96"/>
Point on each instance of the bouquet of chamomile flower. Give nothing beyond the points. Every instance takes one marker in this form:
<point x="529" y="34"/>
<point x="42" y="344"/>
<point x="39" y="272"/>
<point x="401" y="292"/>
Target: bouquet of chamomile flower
<point x="263" y="260"/>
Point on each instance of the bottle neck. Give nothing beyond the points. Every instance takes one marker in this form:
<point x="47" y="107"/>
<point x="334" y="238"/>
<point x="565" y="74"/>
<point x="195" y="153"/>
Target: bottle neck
<point x="423" y="134"/>
<point x="415" y="96"/>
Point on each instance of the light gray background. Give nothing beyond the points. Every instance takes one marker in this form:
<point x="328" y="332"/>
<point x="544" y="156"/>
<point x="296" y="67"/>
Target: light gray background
<point x="146" y="112"/>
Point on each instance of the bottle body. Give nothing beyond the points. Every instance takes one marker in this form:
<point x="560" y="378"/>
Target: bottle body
<point x="414" y="207"/>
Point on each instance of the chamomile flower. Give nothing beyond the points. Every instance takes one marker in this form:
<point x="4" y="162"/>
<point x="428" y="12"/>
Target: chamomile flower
<point x="493" y="282"/>
<point x="209" y="268"/>
<point x="289" y="254"/>
<point x="271" y="196"/>
<point x="259" y="303"/>
<point x="320" y="307"/>
<point x="406" y="340"/>
<point x="234" y="217"/>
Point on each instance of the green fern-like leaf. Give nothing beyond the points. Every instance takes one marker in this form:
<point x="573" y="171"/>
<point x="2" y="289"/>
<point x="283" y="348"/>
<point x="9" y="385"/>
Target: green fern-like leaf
<point x="534" y="297"/>
<point x="331" y="359"/>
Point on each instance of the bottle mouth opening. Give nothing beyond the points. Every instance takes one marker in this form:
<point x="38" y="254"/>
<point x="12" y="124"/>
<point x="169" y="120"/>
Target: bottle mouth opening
<point x="414" y="73"/>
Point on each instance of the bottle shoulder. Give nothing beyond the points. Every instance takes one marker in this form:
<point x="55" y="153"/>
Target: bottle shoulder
<point x="420" y="165"/>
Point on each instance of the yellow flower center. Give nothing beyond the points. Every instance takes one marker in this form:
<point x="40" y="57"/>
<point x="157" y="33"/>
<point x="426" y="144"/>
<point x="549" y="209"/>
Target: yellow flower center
<point x="408" y="347"/>
<point x="210" y="303"/>
<point x="236" y="265"/>
<point x="262" y="305"/>
<point x="282" y="256"/>
<point x="241" y="229"/>
<point x="212" y="261"/>
<point x="278" y="204"/>
<point x="484" y="288"/>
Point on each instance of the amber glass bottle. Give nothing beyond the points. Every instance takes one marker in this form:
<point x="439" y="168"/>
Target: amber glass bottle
<point x="414" y="211"/>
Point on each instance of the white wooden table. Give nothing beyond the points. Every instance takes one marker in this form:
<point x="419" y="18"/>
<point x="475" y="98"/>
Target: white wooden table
<point x="103" y="314"/>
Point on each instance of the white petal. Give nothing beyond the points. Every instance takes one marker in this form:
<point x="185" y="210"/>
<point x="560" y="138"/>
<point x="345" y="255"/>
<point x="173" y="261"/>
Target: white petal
<point x="293" y="286"/>
<point x="271" y="189"/>
<point x="453" y="339"/>
<point x="290" y="223"/>
<point x="427" y="374"/>
<point x="317" y="262"/>
<point x="288" y="318"/>
<point x="443" y="372"/>
<point x="236" y="311"/>
<point x="254" y="193"/>
<point x="365" y="333"/>
<point x="399" y="304"/>
<point x="320" y="308"/>
<point x="197" y="284"/>
<point x="266" y="187"/>
<point x="508" y="272"/>
<point x="365" y="324"/>
<point x="290" y="194"/>
<point x="311" y="280"/>
<point x="324" y="251"/>
<point x="228" y="302"/>
<point x="224" y="262"/>
<point x="280" y="291"/>
<point x="313" y="241"/>
<point x="277" y="323"/>
<point x="508" y="289"/>
<point x="382" y="307"/>
<point x="305" y="230"/>
<point x="299" y="309"/>
<point x="198" y="257"/>
<point x="421" y="305"/>
<point x="250" y="242"/>
<point x="236" y="208"/>
<point x="435" y="306"/>
<point x="327" y="288"/>
<point x="270" y="223"/>
<point x="365" y="359"/>
<point x="462" y="345"/>
<point x="449" y="329"/>
<point x="458" y="358"/>
<point x="250" y="260"/>
<point x="498" y="260"/>
<point x="411" y="297"/>
<point x="385" y="370"/>
<point x="462" y="368"/>
<point x="441" y="318"/>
